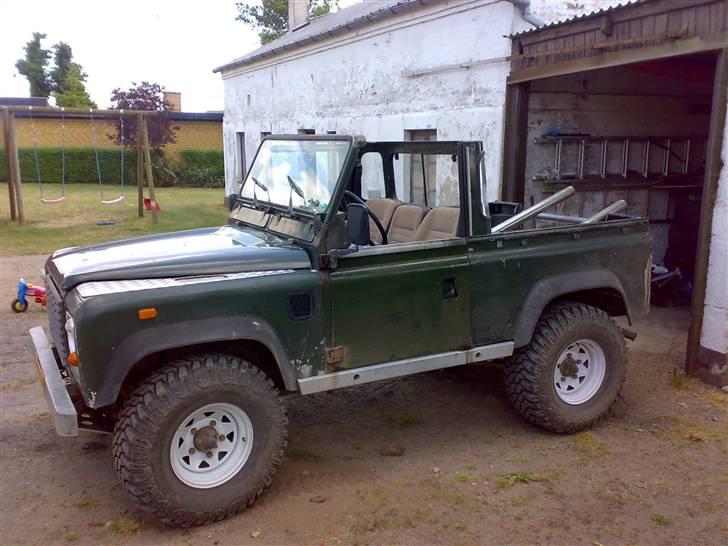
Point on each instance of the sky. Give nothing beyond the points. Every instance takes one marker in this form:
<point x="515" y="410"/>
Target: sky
<point x="173" y="43"/>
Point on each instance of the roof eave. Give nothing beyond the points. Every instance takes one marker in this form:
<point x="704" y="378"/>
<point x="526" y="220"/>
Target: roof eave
<point x="345" y="27"/>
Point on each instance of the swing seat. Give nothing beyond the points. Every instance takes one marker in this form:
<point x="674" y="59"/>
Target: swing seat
<point x="148" y="204"/>
<point x="52" y="201"/>
<point x="113" y="201"/>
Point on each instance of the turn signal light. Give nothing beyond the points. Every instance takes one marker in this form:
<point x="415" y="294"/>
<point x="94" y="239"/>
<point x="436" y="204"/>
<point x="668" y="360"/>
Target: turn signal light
<point x="148" y="313"/>
<point x="73" y="359"/>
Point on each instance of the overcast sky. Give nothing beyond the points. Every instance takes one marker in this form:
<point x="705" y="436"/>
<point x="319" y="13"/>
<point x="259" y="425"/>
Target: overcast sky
<point x="173" y="43"/>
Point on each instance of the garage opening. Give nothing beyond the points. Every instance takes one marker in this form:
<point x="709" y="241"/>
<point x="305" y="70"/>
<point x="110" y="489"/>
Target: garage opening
<point x="637" y="132"/>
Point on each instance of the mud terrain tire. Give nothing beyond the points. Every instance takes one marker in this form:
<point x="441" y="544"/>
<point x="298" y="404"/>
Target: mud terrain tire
<point x="152" y="425"/>
<point x="532" y="378"/>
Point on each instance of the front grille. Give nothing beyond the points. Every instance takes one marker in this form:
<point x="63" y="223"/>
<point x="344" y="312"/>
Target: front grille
<point x="56" y="318"/>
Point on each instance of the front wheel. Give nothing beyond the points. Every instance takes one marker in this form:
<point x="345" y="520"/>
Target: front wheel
<point x="200" y="439"/>
<point x="570" y="374"/>
<point x="19" y="306"/>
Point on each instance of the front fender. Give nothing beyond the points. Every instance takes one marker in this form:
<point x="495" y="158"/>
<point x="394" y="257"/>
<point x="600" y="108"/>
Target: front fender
<point x="184" y="334"/>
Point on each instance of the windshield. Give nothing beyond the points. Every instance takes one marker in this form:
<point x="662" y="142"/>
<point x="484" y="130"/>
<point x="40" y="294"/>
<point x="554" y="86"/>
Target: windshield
<point x="299" y="174"/>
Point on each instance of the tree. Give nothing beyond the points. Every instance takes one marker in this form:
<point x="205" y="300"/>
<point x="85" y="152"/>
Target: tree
<point x="271" y="16"/>
<point x="63" y="61"/>
<point x="73" y="94"/>
<point x="67" y="79"/>
<point x="34" y="66"/>
<point x="144" y="96"/>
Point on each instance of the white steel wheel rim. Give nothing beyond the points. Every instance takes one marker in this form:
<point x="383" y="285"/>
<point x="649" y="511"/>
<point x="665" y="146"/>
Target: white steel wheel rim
<point x="580" y="371"/>
<point x="211" y="467"/>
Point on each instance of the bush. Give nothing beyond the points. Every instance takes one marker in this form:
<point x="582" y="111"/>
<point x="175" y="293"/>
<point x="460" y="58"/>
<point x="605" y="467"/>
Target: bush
<point x="195" y="168"/>
<point x="205" y="168"/>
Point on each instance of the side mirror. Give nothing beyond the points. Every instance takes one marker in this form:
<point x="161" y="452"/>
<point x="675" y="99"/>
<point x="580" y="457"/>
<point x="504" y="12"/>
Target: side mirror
<point x="357" y="224"/>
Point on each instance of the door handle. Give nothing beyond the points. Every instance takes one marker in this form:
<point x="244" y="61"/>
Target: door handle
<point x="449" y="290"/>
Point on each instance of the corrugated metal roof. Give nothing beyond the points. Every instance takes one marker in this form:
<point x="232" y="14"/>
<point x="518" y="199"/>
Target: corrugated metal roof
<point x="595" y="13"/>
<point x="328" y="25"/>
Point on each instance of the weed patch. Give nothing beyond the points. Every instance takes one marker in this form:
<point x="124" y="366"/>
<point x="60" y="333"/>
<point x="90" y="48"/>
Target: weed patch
<point x="126" y="526"/>
<point x="507" y="481"/>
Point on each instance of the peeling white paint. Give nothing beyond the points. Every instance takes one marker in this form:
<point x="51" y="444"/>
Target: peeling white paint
<point x="715" y="312"/>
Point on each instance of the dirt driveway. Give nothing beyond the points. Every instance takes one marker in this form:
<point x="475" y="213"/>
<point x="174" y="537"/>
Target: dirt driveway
<point x="471" y="472"/>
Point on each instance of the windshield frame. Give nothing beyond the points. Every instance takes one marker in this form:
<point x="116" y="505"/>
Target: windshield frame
<point x="298" y="212"/>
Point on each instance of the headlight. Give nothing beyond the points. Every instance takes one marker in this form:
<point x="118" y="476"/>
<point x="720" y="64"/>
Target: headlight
<point x="70" y="333"/>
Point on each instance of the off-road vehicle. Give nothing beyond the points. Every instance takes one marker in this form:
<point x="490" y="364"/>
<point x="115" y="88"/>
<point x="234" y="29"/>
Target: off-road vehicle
<point x="342" y="262"/>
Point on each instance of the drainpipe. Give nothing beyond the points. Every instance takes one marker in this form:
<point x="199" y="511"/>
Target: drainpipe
<point x="525" y="7"/>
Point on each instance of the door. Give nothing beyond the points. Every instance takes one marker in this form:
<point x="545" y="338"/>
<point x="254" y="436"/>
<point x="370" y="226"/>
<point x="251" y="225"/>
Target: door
<point x="400" y="304"/>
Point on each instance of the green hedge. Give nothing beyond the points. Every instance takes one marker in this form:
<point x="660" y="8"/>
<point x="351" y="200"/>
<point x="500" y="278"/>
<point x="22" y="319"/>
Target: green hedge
<point x="201" y="168"/>
<point x="196" y="168"/>
<point x="80" y="165"/>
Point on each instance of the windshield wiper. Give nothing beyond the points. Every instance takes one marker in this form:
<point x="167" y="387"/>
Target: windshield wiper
<point x="294" y="187"/>
<point x="262" y="187"/>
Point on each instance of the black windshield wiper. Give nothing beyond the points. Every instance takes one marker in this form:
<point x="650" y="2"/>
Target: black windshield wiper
<point x="262" y="187"/>
<point x="294" y="187"/>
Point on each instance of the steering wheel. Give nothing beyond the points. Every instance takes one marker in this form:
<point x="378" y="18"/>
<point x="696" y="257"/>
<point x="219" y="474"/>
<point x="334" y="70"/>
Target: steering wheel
<point x="380" y="227"/>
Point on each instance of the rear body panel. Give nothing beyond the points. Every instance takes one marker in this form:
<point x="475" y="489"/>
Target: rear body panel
<point x="506" y="268"/>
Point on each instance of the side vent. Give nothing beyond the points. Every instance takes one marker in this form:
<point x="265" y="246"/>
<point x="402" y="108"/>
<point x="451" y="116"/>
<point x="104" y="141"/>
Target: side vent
<point x="300" y="305"/>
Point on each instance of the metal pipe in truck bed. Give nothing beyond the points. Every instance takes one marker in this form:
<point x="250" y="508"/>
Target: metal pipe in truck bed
<point x="534" y="210"/>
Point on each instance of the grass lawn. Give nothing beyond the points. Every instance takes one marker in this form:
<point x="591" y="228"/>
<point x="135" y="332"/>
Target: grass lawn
<point x="73" y="221"/>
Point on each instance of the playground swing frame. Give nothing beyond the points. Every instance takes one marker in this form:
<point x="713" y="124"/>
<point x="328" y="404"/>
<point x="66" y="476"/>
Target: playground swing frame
<point x="143" y="153"/>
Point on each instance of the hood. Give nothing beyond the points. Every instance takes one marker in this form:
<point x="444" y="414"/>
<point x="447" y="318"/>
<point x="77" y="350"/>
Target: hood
<point x="179" y="254"/>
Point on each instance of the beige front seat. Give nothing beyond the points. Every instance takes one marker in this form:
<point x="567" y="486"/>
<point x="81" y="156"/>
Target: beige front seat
<point x="384" y="210"/>
<point x="440" y="223"/>
<point x="405" y="221"/>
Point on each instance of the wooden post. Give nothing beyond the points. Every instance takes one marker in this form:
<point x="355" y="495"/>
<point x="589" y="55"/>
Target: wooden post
<point x="150" y="177"/>
<point x="9" y="162"/>
<point x="713" y="166"/>
<point x="513" y="183"/>
<point x="14" y="168"/>
<point x="140" y="166"/>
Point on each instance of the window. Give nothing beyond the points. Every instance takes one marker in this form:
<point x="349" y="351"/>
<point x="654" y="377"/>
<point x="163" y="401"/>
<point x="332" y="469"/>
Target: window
<point x="430" y="180"/>
<point x="372" y="176"/>
<point x="307" y="131"/>
<point x="330" y="132"/>
<point x="240" y="156"/>
<point x="420" y="170"/>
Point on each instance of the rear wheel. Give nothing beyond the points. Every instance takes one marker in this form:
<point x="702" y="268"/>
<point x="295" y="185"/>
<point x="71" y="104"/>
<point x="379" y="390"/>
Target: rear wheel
<point x="571" y="373"/>
<point x="19" y="306"/>
<point x="200" y="439"/>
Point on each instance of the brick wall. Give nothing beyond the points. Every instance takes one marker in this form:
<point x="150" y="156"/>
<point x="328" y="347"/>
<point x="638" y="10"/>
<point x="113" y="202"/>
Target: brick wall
<point x="202" y="135"/>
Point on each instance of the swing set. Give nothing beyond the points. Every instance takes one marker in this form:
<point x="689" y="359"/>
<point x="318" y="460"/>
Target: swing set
<point x="144" y="165"/>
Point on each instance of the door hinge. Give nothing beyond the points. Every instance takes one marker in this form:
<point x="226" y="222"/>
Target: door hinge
<point x="334" y="355"/>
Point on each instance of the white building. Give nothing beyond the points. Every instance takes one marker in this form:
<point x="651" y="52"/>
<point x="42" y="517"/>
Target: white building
<point x="388" y="70"/>
<point x="645" y="76"/>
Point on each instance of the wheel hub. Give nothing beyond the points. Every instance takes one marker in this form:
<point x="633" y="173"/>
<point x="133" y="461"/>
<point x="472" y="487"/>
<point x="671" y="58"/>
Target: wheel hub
<point x="205" y="439"/>
<point x="569" y="366"/>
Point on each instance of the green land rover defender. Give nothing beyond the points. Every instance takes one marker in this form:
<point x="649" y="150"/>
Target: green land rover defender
<point x="343" y="262"/>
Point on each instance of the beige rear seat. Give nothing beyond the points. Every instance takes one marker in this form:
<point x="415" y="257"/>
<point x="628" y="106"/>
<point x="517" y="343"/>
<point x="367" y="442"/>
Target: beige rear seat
<point x="405" y="221"/>
<point x="384" y="210"/>
<point x="440" y="223"/>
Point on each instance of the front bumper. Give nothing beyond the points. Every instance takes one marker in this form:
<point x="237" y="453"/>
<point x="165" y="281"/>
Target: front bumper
<point x="60" y="405"/>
